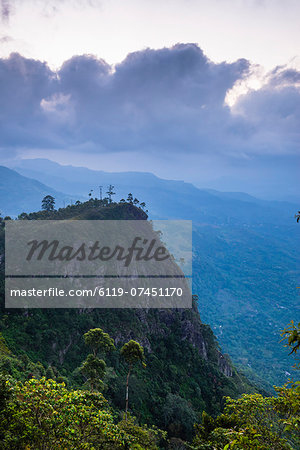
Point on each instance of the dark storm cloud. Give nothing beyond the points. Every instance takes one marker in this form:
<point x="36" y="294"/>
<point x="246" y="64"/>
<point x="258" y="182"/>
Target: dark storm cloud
<point x="23" y="84"/>
<point x="166" y="98"/>
<point x="169" y="100"/>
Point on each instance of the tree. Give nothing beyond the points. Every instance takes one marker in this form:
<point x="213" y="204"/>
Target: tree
<point x="292" y="334"/>
<point x="23" y="216"/>
<point x="132" y="352"/>
<point x="250" y="422"/>
<point x="143" y="205"/>
<point x="136" y="201"/>
<point x="110" y="192"/>
<point x="97" y="339"/>
<point x="94" y="368"/>
<point x="178" y="416"/>
<point x="50" y="373"/>
<point x="48" y="203"/>
<point x="145" y="437"/>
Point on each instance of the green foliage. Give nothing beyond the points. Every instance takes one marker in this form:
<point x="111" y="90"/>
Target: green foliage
<point x="93" y="209"/>
<point x="93" y="369"/>
<point x="20" y="368"/>
<point x="4" y="350"/>
<point x="287" y="405"/>
<point x="174" y="364"/>
<point x="254" y="422"/>
<point x="98" y="340"/>
<point x="50" y="373"/>
<point x="132" y="352"/>
<point x="43" y="414"/>
<point x="4" y="394"/>
<point x="292" y="334"/>
<point x="179" y="417"/>
<point x="145" y="437"/>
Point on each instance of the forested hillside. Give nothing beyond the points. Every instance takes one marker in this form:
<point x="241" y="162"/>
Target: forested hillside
<point x="185" y="372"/>
<point x="247" y="276"/>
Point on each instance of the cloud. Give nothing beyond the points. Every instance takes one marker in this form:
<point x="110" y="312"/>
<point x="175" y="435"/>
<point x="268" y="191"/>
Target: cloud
<point x="164" y="103"/>
<point x="5" y="39"/>
<point x="166" y="98"/>
<point x="273" y="111"/>
<point x="23" y="84"/>
<point x="5" y="10"/>
<point x="47" y="8"/>
<point x="284" y="76"/>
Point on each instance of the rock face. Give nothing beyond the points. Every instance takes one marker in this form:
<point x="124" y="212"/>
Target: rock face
<point x="160" y="323"/>
<point x="224" y="365"/>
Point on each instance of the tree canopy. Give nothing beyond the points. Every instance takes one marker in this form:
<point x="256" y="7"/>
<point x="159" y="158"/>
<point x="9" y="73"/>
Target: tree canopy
<point x="48" y="203"/>
<point x="98" y="340"/>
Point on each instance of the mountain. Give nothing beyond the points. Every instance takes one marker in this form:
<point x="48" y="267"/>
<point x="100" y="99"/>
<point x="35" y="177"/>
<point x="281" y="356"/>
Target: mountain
<point x="165" y="199"/>
<point x="245" y="261"/>
<point x="280" y="185"/>
<point x="185" y="373"/>
<point x="19" y="193"/>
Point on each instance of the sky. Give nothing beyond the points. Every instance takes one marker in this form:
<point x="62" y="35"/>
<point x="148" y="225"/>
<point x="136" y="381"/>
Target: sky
<point x="264" y="31"/>
<point x="205" y="91"/>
